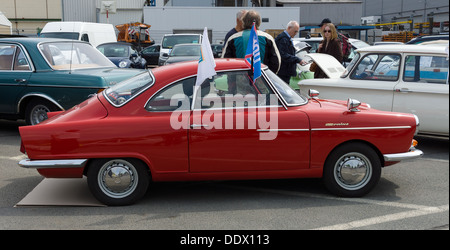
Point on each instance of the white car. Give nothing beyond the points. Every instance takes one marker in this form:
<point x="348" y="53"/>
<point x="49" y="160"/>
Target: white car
<point x="315" y="41"/>
<point x="401" y="78"/>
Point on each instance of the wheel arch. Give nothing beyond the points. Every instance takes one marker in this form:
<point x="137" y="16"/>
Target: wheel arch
<point x="377" y="151"/>
<point x="26" y="99"/>
<point x="145" y="162"/>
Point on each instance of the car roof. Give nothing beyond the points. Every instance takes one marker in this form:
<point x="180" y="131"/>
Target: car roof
<point x="405" y="48"/>
<point x="35" y="39"/>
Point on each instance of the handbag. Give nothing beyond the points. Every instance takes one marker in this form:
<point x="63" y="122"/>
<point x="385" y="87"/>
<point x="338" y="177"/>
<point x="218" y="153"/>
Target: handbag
<point x="313" y="67"/>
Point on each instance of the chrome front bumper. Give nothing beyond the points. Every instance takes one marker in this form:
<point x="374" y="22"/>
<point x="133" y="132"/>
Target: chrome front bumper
<point x="412" y="154"/>
<point x="38" y="164"/>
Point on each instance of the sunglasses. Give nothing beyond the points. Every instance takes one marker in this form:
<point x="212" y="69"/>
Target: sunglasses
<point x="327" y="31"/>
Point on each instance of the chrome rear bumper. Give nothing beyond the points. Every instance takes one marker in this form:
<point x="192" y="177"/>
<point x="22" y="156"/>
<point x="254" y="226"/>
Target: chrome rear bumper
<point x="38" y="164"/>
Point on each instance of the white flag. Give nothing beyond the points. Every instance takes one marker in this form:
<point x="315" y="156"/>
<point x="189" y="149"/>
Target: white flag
<point x="206" y="64"/>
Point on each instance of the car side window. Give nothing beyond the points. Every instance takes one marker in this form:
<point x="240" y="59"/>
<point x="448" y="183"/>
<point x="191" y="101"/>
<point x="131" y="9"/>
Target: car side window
<point x="378" y="67"/>
<point x="6" y="56"/>
<point x="233" y="89"/>
<point x="426" y="69"/>
<point x="177" y="96"/>
<point x="20" y="61"/>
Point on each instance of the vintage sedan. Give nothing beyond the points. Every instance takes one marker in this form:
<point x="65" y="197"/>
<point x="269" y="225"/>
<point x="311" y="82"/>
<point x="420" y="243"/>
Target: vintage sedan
<point x="38" y="75"/>
<point x="154" y="128"/>
<point x="402" y="78"/>
<point x="123" y="55"/>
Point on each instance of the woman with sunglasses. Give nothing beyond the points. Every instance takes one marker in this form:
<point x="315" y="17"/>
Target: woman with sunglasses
<point x="330" y="45"/>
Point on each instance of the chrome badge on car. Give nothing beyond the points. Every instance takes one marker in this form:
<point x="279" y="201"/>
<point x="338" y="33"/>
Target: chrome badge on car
<point x="332" y="124"/>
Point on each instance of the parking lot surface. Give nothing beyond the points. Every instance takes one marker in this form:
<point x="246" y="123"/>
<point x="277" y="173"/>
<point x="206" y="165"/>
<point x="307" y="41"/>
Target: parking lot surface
<point x="410" y="195"/>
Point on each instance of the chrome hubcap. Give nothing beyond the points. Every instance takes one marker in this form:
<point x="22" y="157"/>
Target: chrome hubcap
<point x="117" y="178"/>
<point x="39" y="114"/>
<point x="353" y="171"/>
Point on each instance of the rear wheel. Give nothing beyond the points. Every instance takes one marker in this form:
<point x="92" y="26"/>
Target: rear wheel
<point x="36" y="111"/>
<point x="118" y="182"/>
<point x="352" y="170"/>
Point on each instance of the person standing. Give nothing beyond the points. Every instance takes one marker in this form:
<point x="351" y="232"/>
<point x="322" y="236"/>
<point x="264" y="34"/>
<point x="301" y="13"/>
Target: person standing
<point x="236" y="45"/>
<point x="330" y="45"/>
<point x="238" y="27"/>
<point x="286" y="48"/>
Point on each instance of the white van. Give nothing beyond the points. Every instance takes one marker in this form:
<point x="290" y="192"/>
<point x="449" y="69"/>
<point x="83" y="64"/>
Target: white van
<point x="94" y="33"/>
<point x="170" y="40"/>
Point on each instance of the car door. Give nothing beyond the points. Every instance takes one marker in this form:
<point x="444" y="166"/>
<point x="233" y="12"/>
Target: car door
<point x="240" y="126"/>
<point x="424" y="91"/>
<point x="151" y="54"/>
<point x="15" y="71"/>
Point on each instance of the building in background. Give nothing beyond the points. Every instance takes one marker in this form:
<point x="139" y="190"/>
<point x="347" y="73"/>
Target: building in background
<point x="357" y="17"/>
<point x="28" y="17"/>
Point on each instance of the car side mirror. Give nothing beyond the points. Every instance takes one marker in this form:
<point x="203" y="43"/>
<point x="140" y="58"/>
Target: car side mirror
<point x="165" y="55"/>
<point x="352" y="105"/>
<point x="313" y="93"/>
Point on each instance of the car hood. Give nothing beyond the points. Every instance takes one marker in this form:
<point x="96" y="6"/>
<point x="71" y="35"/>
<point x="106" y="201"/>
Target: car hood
<point x="328" y="64"/>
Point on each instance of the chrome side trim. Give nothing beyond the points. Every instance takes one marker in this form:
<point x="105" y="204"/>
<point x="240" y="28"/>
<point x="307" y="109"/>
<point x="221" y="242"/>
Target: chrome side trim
<point x="39" y="164"/>
<point x="361" y="128"/>
<point x="48" y="98"/>
<point x="281" y="130"/>
<point x="416" y="153"/>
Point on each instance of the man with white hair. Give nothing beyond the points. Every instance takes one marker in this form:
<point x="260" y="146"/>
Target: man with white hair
<point x="284" y="43"/>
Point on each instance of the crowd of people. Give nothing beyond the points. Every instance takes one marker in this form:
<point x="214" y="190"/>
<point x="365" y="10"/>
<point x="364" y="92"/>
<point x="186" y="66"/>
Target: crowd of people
<point x="279" y="53"/>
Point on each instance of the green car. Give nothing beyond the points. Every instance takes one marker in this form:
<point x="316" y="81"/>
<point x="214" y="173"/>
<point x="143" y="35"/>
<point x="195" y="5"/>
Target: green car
<point x="40" y="75"/>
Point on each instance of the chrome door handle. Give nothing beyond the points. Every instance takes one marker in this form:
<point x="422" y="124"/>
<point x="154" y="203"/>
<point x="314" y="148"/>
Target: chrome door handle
<point x="403" y="90"/>
<point x="198" y="125"/>
<point x="20" y="80"/>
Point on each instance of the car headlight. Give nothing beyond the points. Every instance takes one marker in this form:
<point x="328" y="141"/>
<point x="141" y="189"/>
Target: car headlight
<point x="123" y="64"/>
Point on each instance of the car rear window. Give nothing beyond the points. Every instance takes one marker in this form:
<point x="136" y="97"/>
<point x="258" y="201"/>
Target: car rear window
<point x="123" y="92"/>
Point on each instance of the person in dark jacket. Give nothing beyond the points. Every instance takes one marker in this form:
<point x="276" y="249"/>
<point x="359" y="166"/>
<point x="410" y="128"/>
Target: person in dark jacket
<point x="236" y="45"/>
<point x="330" y="45"/>
<point x="238" y="27"/>
<point x="284" y="43"/>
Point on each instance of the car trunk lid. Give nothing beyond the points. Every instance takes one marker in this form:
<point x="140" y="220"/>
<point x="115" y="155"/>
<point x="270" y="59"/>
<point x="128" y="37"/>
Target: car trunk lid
<point x="328" y="64"/>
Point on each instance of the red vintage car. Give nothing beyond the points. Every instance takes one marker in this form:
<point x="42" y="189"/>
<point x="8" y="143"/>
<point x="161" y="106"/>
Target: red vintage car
<point x="148" y="128"/>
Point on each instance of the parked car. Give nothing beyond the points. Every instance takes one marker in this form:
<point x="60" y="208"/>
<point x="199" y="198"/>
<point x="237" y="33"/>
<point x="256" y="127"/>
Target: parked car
<point x="421" y="39"/>
<point x="315" y="41"/>
<point x="123" y="55"/>
<point x="143" y="129"/>
<point x="170" y="40"/>
<point x="38" y="75"/>
<point x="184" y="52"/>
<point x="151" y="54"/>
<point x="403" y="78"/>
<point x="94" y="33"/>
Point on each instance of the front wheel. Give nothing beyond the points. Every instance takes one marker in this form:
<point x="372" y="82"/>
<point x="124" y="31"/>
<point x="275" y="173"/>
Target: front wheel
<point x="352" y="170"/>
<point x="118" y="182"/>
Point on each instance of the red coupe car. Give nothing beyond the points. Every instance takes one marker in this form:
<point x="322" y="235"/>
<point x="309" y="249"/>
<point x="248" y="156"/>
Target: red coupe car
<point x="154" y="128"/>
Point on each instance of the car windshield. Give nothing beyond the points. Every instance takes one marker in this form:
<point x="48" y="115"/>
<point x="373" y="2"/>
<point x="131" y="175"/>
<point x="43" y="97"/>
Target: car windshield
<point x="170" y="41"/>
<point x="114" y="50"/>
<point x="291" y="97"/>
<point x="124" y="91"/>
<point x="65" y="35"/>
<point x="186" y="50"/>
<point x="73" y="55"/>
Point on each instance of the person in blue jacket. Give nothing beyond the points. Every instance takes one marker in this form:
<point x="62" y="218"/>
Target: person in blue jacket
<point x="286" y="48"/>
<point x="236" y="45"/>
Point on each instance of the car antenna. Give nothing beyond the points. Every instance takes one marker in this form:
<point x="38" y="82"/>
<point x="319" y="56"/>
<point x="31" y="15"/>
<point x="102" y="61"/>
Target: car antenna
<point x="71" y="50"/>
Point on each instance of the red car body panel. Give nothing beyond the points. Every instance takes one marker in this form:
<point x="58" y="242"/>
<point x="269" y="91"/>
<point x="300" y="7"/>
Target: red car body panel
<point x="96" y="129"/>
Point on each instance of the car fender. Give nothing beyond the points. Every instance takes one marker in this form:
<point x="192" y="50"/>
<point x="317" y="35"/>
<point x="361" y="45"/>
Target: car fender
<point x="21" y="105"/>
